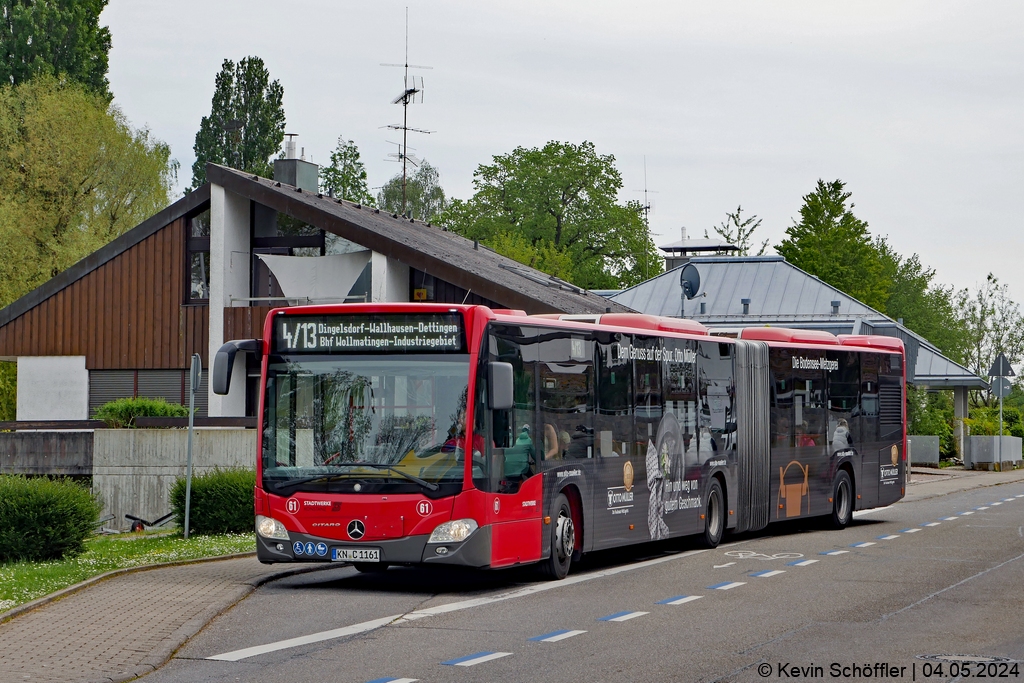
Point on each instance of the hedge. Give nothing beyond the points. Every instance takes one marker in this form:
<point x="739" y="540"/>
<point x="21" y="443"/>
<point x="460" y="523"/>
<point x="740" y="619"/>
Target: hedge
<point x="44" y="519"/>
<point x="222" y="502"/>
<point x="121" y="413"/>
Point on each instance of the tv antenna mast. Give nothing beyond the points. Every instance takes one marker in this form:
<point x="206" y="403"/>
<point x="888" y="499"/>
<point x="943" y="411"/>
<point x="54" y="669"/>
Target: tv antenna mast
<point x="408" y="96"/>
<point x="646" y="208"/>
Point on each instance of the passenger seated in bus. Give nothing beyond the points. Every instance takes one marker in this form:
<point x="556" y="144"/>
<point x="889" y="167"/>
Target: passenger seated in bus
<point x="802" y="437"/>
<point x="841" y="438"/>
<point x="551" y="450"/>
<point x="783" y="433"/>
<point x="518" y="459"/>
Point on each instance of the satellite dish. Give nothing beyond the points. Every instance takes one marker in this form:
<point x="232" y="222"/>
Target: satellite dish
<point x="689" y="280"/>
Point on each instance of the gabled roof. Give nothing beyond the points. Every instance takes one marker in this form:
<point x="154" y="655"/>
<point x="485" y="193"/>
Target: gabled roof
<point x="428" y="248"/>
<point x="188" y="204"/>
<point x="779" y="293"/>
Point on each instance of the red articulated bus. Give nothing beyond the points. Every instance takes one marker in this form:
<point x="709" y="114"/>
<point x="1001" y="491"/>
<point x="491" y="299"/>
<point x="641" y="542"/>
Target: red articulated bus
<point x="407" y="434"/>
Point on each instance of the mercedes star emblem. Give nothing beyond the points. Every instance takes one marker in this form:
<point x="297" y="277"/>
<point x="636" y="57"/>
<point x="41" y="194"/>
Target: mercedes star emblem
<point x="356" y="529"/>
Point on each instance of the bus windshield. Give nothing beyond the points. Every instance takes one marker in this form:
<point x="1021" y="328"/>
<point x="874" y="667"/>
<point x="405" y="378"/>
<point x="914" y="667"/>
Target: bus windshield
<point x="365" y="424"/>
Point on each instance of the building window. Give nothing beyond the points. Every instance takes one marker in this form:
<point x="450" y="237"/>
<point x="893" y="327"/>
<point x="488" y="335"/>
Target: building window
<point x="198" y="258"/>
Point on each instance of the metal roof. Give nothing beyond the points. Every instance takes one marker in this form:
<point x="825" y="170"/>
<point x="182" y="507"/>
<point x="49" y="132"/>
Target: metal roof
<point x="781" y="294"/>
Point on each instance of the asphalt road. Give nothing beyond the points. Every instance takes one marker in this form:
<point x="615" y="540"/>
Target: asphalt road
<point x="954" y="586"/>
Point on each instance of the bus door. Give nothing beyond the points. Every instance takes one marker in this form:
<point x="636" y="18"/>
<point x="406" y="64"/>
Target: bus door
<point x="867" y="487"/>
<point x="618" y="513"/>
<point x="565" y="422"/>
<point x="676" y="442"/>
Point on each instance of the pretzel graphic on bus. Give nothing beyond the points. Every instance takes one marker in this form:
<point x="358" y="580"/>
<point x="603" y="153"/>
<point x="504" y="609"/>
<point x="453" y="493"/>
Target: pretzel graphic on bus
<point x="793" y="493"/>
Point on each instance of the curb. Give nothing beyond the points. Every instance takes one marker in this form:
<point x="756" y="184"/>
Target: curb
<point x="64" y="592"/>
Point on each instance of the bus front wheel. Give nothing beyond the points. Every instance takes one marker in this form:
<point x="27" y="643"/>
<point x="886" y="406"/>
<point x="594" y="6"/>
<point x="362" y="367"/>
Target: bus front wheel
<point x="714" y="516"/>
<point x="563" y="540"/>
<point x="842" y="501"/>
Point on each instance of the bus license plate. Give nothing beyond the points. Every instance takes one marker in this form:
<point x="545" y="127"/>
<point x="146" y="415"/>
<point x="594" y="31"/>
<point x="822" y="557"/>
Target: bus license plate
<point x="355" y="554"/>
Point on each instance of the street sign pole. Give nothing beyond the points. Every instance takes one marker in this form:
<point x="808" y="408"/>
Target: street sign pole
<point x="1001" y="369"/>
<point x="195" y="375"/>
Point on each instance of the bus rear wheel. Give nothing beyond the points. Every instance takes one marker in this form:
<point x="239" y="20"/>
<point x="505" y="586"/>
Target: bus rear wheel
<point x="563" y="540"/>
<point x="714" y="516"/>
<point x="842" y="501"/>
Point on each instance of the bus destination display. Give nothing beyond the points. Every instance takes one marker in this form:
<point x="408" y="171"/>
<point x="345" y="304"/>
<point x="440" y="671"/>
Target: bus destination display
<point x="399" y="333"/>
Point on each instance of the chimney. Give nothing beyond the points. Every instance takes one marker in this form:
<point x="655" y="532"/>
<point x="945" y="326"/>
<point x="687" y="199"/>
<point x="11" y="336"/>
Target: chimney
<point x="746" y="306"/>
<point x="296" y="172"/>
<point x="835" y="307"/>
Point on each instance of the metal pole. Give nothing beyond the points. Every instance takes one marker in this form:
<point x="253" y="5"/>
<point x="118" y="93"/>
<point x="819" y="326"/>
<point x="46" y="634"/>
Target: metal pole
<point x="1000" y="428"/>
<point x="195" y="374"/>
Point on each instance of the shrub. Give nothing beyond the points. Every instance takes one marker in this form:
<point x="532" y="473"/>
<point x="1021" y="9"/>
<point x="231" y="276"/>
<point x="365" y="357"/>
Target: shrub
<point x="122" y="412"/>
<point x="44" y="519"/>
<point x="221" y="502"/>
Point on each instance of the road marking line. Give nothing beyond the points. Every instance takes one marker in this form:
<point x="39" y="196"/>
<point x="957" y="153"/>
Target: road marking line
<point x="720" y="566"/>
<point x="478" y="658"/>
<point x="983" y="507"/>
<point x="236" y="655"/>
<point x="889" y="537"/>
<point x="865" y="544"/>
<point x="930" y="524"/>
<point x="680" y="599"/>
<point x="1019" y="495"/>
<point x="909" y="531"/>
<point x="801" y="563"/>
<point x="1007" y="500"/>
<point x="305" y="640"/>
<point x="969" y="512"/>
<point x="950" y="519"/>
<point x="727" y="585"/>
<point x="393" y="680"/>
<point x="556" y="636"/>
<point x="768" y="573"/>
<point x="834" y="552"/>
<point x="996" y="503"/>
<point x="622" y="616"/>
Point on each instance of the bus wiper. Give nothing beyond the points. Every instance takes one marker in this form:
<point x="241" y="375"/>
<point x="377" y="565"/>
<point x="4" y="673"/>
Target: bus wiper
<point x="392" y="468"/>
<point x="306" y="480"/>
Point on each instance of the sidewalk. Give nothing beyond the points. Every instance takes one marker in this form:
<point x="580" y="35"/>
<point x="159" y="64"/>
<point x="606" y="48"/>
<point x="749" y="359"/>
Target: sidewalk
<point x="128" y="625"/>
<point x="131" y="624"/>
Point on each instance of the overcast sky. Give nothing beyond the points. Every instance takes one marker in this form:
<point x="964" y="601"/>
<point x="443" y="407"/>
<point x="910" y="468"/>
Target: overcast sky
<point x="916" y="105"/>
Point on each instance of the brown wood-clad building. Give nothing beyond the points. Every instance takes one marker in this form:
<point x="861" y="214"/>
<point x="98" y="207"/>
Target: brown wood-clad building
<point x="126" y="320"/>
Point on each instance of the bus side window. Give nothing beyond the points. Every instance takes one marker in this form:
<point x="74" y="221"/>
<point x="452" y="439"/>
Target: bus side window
<point x="613" y="421"/>
<point x="565" y="372"/>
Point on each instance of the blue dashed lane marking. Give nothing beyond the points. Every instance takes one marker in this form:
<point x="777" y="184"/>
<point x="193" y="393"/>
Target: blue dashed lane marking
<point x="865" y="544"/>
<point x="888" y="537"/>
<point x="726" y="585"/>
<point x="556" y="636"/>
<point x="768" y="573"/>
<point x="834" y="552"/>
<point x="622" y="616"/>
<point x="394" y="680"/>
<point x="800" y="563"/>
<point x="478" y="658"/>
<point x="680" y="599"/>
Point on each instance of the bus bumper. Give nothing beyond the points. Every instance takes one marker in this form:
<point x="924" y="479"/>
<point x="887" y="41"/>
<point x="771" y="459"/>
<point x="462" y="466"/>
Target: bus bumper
<point x="475" y="551"/>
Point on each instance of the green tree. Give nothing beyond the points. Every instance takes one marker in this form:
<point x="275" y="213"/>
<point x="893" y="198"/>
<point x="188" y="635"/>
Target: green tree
<point x="555" y="208"/>
<point x="245" y="127"/>
<point x="738" y="231"/>
<point x="994" y="325"/>
<point x="52" y="37"/>
<point x="73" y="176"/>
<point x="930" y="413"/>
<point x="927" y="308"/>
<point x="424" y="196"/>
<point x="345" y="178"/>
<point x="834" y="245"/>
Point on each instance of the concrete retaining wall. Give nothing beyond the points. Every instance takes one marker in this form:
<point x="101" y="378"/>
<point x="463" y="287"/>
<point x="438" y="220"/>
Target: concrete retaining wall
<point x="133" y="469"/>
<point x="36" y="453"/>
<point x="924" y="450"/>
<point x="984" y="453"/>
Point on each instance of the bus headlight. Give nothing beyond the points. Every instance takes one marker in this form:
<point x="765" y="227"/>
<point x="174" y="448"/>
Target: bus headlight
<point x="268" y="527"/>
<point x="455" y="531"/>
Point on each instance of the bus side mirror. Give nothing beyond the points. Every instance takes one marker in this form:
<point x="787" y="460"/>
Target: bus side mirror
<point x="224" y="361"/>
<point x="499" y="386"/>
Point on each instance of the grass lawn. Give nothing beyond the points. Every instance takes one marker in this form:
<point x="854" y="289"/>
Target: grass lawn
<point x="21" y="582"/>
